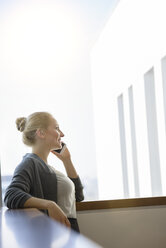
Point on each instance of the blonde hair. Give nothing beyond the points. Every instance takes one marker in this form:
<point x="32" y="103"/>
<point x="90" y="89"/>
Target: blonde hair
<point x="30" y="125"/>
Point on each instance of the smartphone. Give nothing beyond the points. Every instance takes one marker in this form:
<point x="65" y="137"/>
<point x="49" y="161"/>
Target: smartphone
<point x="61" y="149"/>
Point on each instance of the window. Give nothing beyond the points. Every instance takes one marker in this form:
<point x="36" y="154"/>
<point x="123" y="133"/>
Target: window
<point x="128" y="77"/>
<point x="41" y="70"/>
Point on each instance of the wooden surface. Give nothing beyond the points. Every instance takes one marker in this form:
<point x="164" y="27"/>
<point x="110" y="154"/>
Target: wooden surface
<point x="123" y="203"/>
<point x="29" y="228"/>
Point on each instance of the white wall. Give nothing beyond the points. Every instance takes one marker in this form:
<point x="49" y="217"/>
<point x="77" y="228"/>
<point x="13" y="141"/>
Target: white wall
<point x="132" y="41"/>
<point x="142" y="227"/>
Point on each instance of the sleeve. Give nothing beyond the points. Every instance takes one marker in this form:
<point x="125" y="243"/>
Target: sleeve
<point x="18" y="192"/>
<point x="78" y="189"/>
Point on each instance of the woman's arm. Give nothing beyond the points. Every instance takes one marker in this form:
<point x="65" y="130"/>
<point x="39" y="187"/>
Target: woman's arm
<point x="18" y="194"/>
<point x="72" y="174"/>
<point x="54" y="210"/>
<point x="19" y="189"/>
<point x="70" y="169"/>
<point x="65" y="157"/>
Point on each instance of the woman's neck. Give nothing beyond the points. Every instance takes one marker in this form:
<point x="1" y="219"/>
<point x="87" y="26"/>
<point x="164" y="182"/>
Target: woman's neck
<point x="41" y="153"/>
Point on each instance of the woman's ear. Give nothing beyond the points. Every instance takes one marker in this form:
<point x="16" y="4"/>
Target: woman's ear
<point x="40" y="133"/>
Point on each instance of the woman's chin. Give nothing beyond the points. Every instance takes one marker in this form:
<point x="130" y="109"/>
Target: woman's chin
<point x="58" y="147"/>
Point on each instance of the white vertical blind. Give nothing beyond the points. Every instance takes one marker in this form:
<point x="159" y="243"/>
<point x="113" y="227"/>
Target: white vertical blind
<point x="0" y="188"/>
<point x="152" y="129"/>
<point x="163" y="65"/>
<point x="122" y="132"/>
<point x="133" y="142"/>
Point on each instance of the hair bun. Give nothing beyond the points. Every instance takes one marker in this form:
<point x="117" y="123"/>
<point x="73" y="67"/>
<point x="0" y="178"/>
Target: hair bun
<point x="20" y="123"/>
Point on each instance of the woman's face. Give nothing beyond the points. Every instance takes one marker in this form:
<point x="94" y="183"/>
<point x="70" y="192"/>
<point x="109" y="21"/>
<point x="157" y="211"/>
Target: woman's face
<point x="53" y="135"/>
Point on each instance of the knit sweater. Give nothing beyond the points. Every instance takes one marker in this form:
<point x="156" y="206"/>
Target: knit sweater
<point x="33" y="178"/>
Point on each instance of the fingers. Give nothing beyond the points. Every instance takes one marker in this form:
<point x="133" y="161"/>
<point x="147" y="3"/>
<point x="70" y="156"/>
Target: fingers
<point x="56" y="153"/>
<point x="57" y="214"/>
<point x="67" y="223"/>
<point x="64" y="220"/>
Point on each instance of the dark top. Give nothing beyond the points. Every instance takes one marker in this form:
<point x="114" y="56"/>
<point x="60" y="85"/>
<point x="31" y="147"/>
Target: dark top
<point x="33" y="178"/>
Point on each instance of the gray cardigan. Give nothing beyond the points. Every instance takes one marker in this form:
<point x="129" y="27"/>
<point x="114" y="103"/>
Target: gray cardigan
<point x="32" y="177"/>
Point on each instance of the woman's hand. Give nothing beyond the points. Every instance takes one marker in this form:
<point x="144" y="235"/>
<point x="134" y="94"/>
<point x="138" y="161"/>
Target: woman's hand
<point x="64" y="156"/>
<point x="66" y="159"/>
<point x="54" y="210"/>
<point x="57" y="214"/>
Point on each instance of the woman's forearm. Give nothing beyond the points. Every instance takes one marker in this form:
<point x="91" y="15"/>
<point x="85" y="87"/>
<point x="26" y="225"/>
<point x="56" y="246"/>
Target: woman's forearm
<point x="34" y="202"/>
<point x="54" y="211"/>
<point x="70" y="169"/>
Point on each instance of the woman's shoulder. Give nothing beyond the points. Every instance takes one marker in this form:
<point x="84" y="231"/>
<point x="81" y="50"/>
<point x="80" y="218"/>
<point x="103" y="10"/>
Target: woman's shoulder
<point x="25" y="164"/>
<point x="28" y="162"/>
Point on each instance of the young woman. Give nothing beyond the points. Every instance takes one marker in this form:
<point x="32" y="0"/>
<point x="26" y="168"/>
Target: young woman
<point x="35" y="184"/>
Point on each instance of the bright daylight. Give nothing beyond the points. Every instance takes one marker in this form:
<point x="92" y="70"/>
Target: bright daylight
<point x="83" y="122"/>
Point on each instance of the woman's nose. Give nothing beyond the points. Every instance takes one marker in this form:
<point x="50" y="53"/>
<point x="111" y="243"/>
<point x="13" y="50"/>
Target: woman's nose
<point x="61" y="134"/>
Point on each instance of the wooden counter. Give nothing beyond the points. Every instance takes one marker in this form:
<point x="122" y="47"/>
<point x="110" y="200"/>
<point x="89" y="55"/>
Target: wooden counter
<point x="121" y="203"/>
